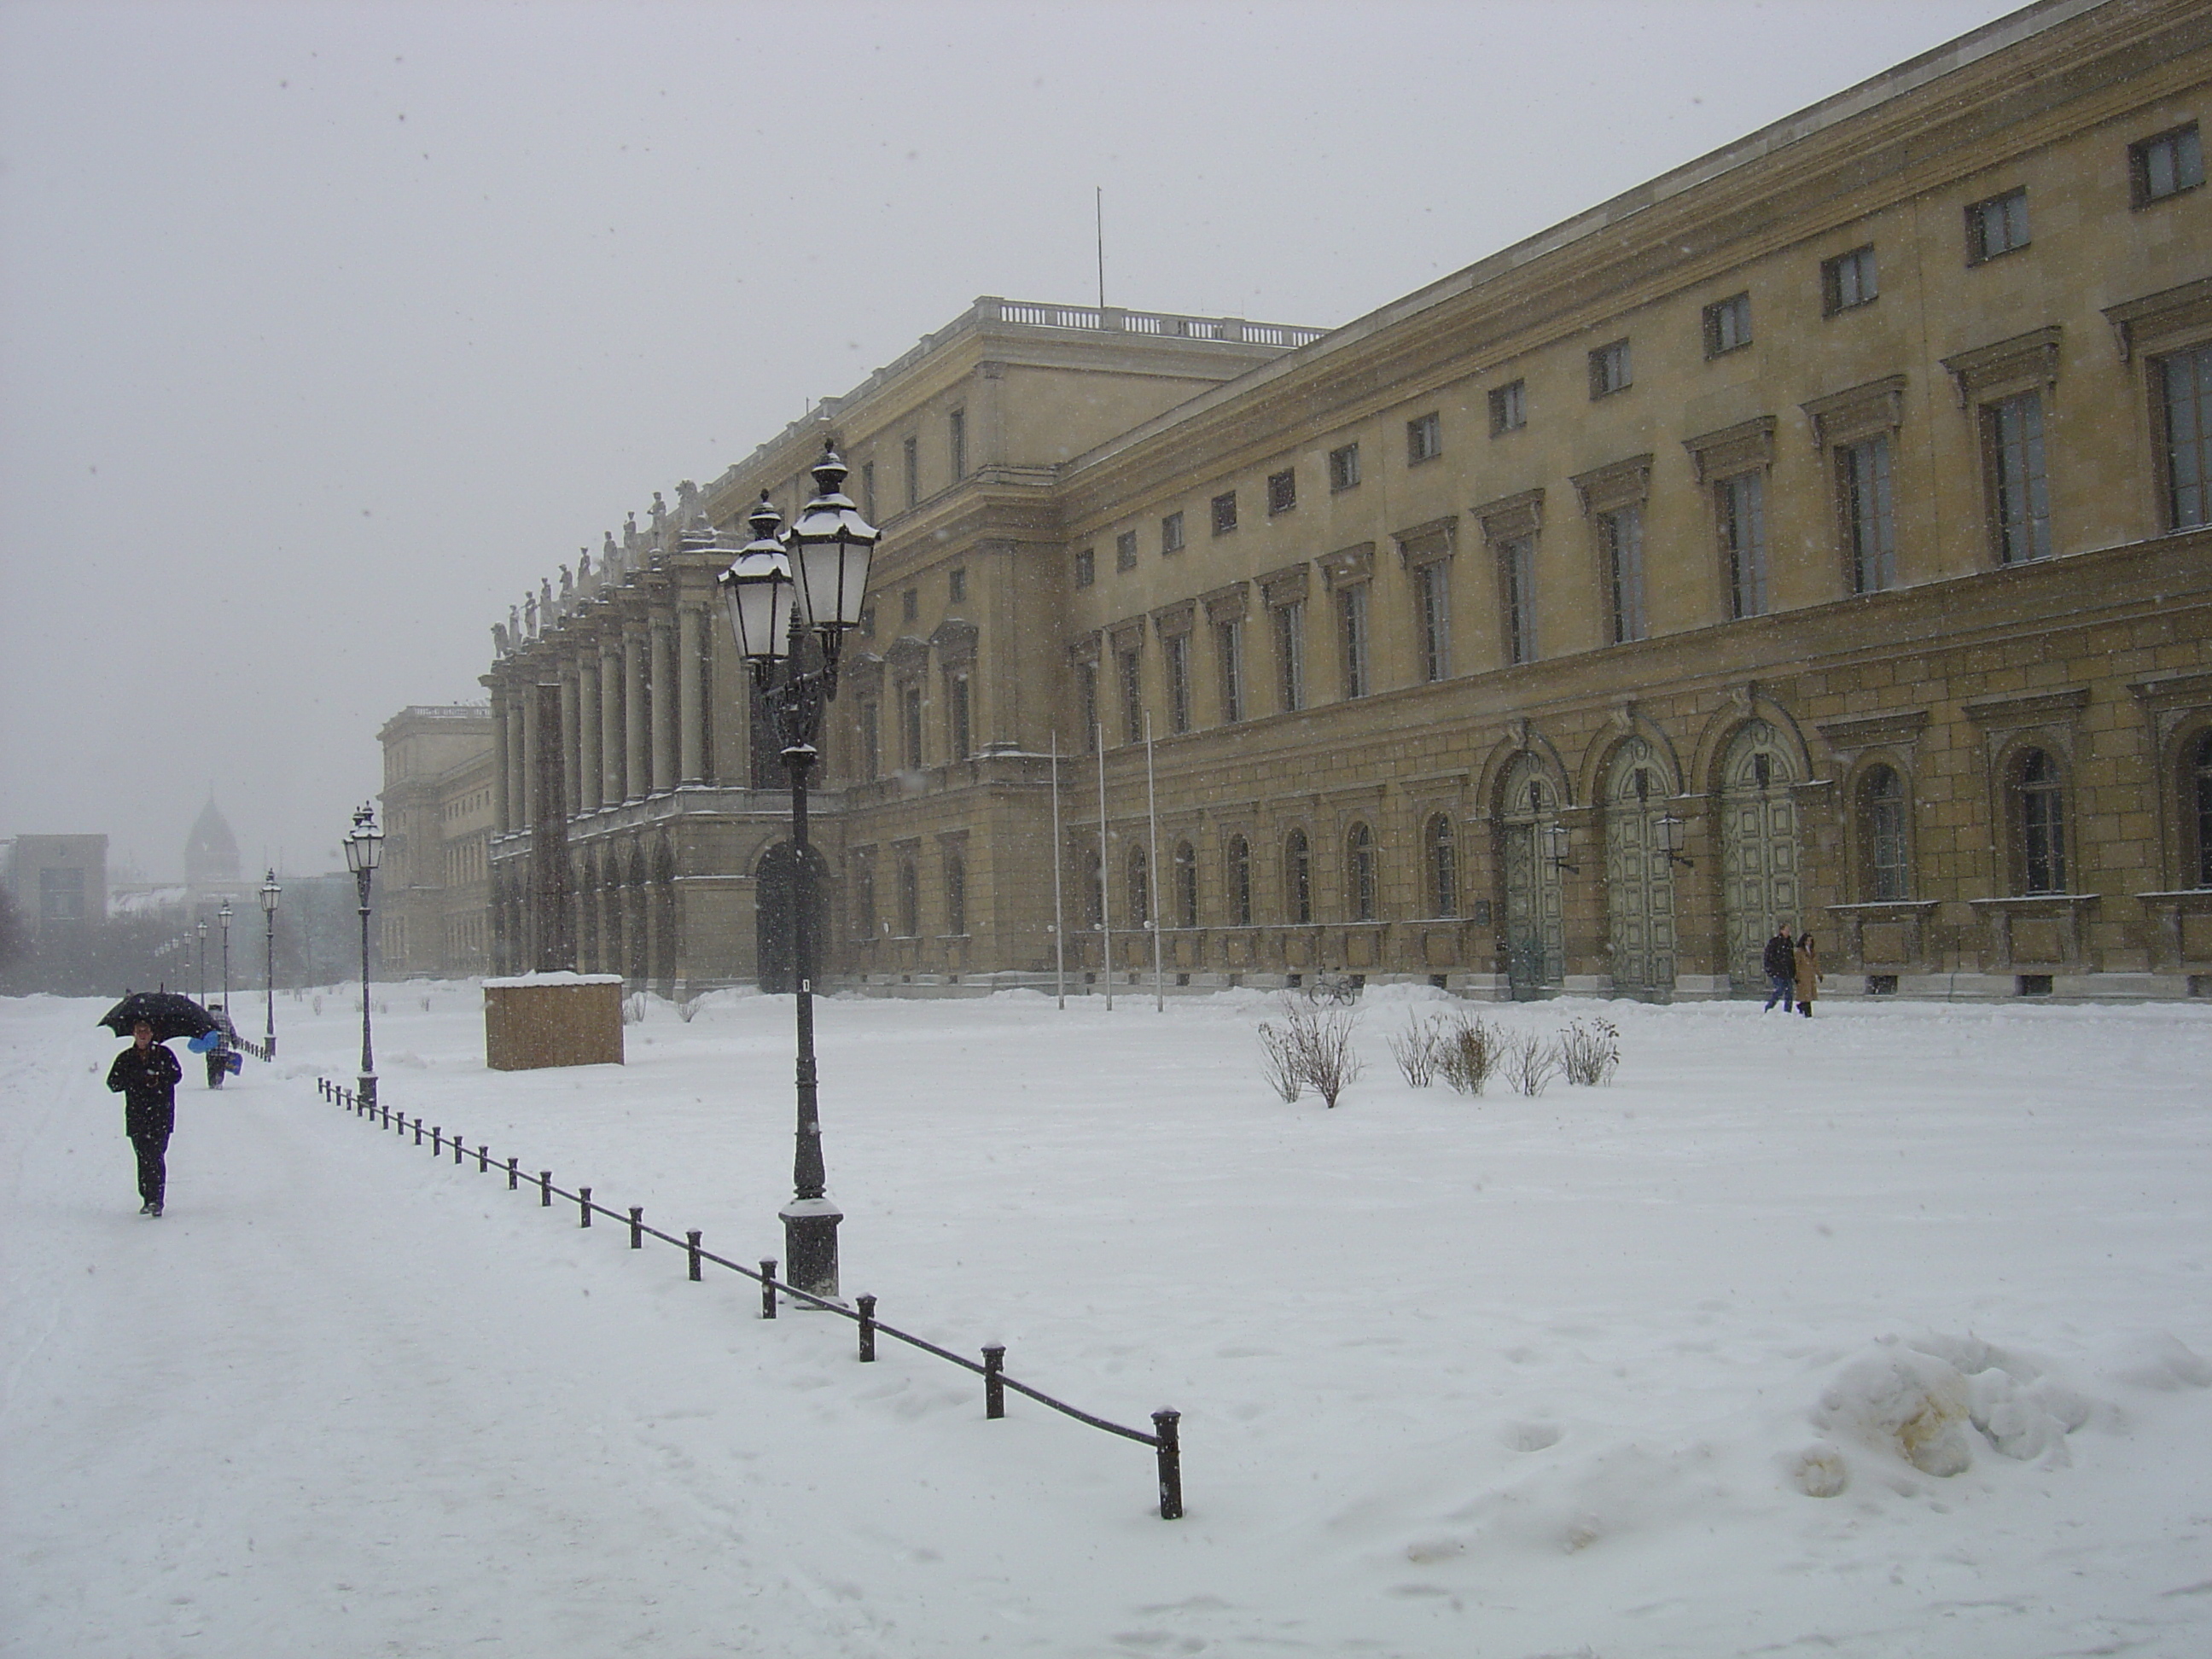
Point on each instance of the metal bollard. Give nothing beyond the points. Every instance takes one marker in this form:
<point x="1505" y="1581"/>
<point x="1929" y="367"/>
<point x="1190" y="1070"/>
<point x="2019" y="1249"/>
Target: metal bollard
<point x="483" y="1160"/>
<point x="437" y="1143"/>
<point x="637" y="1227"/>
<point x="457" y="1148"/>
<point x="418" y="1128"/>
<point x="584" y="1204"/>
<point x="691" y="1243"/>
<point x="513" y="1173"/>
<point x="386" y="1110"/>
<point x="1170" y="1442"/>
<point x="545" y="1189"/>
<point x="767" y="1288"/>
<point x="994" y="1389"/>
<point x="867" y="1306"/>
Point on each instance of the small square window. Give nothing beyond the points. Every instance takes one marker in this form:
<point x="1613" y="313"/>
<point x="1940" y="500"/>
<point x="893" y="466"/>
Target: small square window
<point x="955" y="585"/>
<point x="1608" y="370"/>
<point x="1727" y="325"/>
<point x="1172" y="533"/>
<point x="1224" y="512"/>
<point x="910" y="605"/>
<point x="868" y="623"/>
<point x="1086" y="566"/>
<point x="1282" y="491"/>
<point x="1996" y="225"/>
<point x="1425" y="439"/>
<point x="2166" y="165"/>
<point x="1125" y="551"/>
<point x="1508" y="408"/>
<point x="1344" y="467"/>
<point x="1848" y="281"/>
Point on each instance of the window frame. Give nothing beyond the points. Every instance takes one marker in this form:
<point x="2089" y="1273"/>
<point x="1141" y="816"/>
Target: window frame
<point x="2006" y="211"/>
<point x="1086" y="566"/>
<point x="1425" y="438"/>
<point x="1881" y="575"/>
<point x="1174" y="654"/>
<point x="1228" y="654"/>
<point x="1221" y="513"/>
<point x="1744" y="560"/>
<point x="1125" y="551"/>
<point x="1612" y="369"/>
<point x="956" y="441"/>
<point x="1621" y="549"/>
<point x="1718" y="326"/>
<point x="1354" y="642"/>
<point x="1298" y="878"/>
<point x="1516" y="583"/>
<point x="2036" y="810"/>
<point x="2171" y="486"/>
<point x="2019" y="503"/>
<point x="1508" y="407"/>
<point x="959" y="716"/>
<point x="1184" y="862"/>
<point x="1440" y="840"/>
<point x="1864" y="270"/>
<point x="1288" y="624"/>
<point x="1236" y="879"/>
<point x="1883" y="880"/>
<point x="2140" y="192"/>
<point x="1433" y="618"/>
<point x="910" y="453"/>
<point x="1282" y="492"/>
<point x="1129" y="680"/>
<point x="1362" y="876"/>
<point x="1343" y="468"/>
<point x="1171" y="536"/>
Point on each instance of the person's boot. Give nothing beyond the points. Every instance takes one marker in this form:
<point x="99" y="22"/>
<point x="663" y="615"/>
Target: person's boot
<point x="154" y="1208"/>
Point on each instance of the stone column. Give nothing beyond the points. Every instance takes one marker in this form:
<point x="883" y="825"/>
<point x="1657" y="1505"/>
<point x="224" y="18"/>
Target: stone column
<point x="665" y="699"/>
<point x="637" y="782"/>
<point x="611" y="722"/>
<point x="572" y="743"/>
<point x="521" y="745"/>
<point x="691" y="695"/>
<point x="501" y="823"/>
<point x="587" y="730"/>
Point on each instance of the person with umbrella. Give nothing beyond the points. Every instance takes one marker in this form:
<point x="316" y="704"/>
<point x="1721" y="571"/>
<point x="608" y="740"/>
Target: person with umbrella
<point x="146" y="1075"/>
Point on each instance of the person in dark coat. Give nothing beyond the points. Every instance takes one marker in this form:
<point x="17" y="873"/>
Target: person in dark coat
<point x="146" y="1075"/>
<point x="1780" y="959"/>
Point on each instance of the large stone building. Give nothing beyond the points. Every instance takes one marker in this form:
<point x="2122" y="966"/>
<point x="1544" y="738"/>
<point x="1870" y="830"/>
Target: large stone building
<point x="56" y="881"/>
<point x="433" y="904"/>
<point x="1818" y="531"/>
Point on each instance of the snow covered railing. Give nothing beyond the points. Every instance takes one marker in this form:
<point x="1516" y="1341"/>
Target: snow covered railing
<point x="1165" y="1439"/>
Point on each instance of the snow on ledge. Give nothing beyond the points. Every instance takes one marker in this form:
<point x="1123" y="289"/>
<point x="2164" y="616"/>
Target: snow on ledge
<point x="562" y="977"/>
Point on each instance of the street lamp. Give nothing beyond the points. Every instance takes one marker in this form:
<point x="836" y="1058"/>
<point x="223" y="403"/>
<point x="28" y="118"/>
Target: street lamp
<point x="223" y="916"/>
<point x="1670" y="840"/>
<point x="1558" y="841"/>
<point x="202" y="984"/>
<point x="269" y="890"/>
<point x="792" y="594"/>
<point x="364" y="849"/>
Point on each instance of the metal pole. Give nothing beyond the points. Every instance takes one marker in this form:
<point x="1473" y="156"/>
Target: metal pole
<point x="1105" y="894"/>
<point x="271" y="1038"/>
<point x="226" y="967"/>
<point x="811" y="1218"/>
<point x="368" y="1051"/>
<point x="1152" y="864"/>
<point x="1059" y="916"/>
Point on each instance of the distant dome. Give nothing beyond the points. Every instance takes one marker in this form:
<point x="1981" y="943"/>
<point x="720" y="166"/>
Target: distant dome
<point x="211" y="851"/>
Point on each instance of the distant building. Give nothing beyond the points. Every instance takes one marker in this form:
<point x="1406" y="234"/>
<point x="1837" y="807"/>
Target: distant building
<point x="59" y="881"/>
<point x="432" y="893"/>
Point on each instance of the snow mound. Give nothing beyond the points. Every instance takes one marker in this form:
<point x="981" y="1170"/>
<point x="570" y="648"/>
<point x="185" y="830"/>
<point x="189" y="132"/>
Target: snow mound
<point x="1918" y="1400"/>
<point x="2156" y="1359"/>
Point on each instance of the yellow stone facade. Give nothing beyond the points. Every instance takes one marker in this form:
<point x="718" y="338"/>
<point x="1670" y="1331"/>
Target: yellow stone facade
<point x="1809" y="533"/>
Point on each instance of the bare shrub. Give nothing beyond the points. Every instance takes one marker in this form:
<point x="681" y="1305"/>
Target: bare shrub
<point x="1419" y="1049"/>
<point x="1528" y="1063"/>
<point x="1472" y="1049"/>
<point x="633" y="1009"/>
<point x="1312" y="1049"/>
<point x="1281" y="1066"/>
<point x="687" y="1010"/>
<point x="1589" y="1051"/>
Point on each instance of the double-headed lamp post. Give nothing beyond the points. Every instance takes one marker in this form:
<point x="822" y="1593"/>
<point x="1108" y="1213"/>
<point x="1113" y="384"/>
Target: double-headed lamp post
<point x="203" y="986"/>
<point x="364" y="850"/>
<point x="269" y="890"/>
<point x="223" y="916"/>
<point x="793" y="595"/>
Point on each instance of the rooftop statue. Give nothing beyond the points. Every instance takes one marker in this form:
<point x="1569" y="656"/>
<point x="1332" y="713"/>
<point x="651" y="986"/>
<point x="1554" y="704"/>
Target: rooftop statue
<point x="499" y="639"/>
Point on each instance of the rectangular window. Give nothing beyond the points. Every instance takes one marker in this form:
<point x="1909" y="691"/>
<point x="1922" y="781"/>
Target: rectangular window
<point x="955" y="436"/>
<point x="1741" y="503"/>
<point x="1229" y="646"/>
<point x="1727" y="325"/>
<point x="61" y="896"/>
<point x="1130" y="665"/>
<point x="955" y="585"/>
<point x="1996" y="225"/>
<point x="2166" y="165"/>
<point x="1508" y="408"/>
<point x="1609" y="370"/>
<point x="1125" y="551"/>
<point x="1175" y="650"/>
<point x="1290" y="654"/>
<point x="1343" y="468"/>
<point x="910" y="451"/>
<point x="1352" y="636"/>
<point x="1425" y="439"/>
<point x="1869" y="522"/>
<point x="910" y="605"/>
<point x="1886" y="847"/>
<point x="1432" y="598"/>
<point x="910" y="727"/>
<point x="1172" y="533"/>
<point x="868" y="491"/>
<point x="956" y="894"/>
<point x="2020" y="494"/>
<point x="1086" y="694"/>
<point x="2184" y="382"/>
<point x="1224" y="512"/>
<point x="1517" y="578"/>
<point x="1086" y="566"/>
<point x="1282" y="491"/>
<point x="871" y="741"/>
<point x="1620" y="536"/>
<point x="956" y="729"/>
<point x="1849" y="281"/>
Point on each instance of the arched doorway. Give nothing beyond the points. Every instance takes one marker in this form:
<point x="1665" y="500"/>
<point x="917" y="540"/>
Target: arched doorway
<point x="1639" y="881"/>
<point x="774" y="942"/>
<point x="1535" y="918"/>
<point x="1760" y="866"/>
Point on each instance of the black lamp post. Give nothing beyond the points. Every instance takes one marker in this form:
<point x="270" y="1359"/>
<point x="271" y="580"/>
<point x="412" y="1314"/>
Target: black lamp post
<point x="269" y="890"/>
<point x="793" y="595"/>
<point x="203" y="968"/>
<point x="223" y="916"/>
<point x="364" y="850"/>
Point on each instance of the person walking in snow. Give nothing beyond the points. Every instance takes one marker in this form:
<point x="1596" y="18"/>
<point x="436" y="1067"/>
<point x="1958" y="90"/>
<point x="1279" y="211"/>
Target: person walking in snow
<point x="1780" y="962"/>
<point x="1806" y="962"/>
<point x="146" y="1075"/>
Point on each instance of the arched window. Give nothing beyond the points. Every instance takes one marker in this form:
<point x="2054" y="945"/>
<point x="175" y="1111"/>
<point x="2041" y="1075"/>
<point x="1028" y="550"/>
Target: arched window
<point x="1240" y="881"/>
<point x="1185" y="884"/>
<point x="1140" y="888"/>
<point x="1886" y="855"/>
<point x="956" y="894"/>
<point x="1359" y="871"/>
<point x="2201" y="779"/>
<point x="1298" y="879"/>
<point x="2039" y="812"/>
<point x="1443" y="866"/>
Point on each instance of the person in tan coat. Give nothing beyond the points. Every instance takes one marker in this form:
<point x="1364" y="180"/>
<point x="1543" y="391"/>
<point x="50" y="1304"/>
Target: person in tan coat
<point x="1807" y="959"/>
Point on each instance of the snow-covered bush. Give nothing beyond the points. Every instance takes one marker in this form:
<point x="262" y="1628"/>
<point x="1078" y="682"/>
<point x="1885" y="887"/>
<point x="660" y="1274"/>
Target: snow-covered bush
<point x="1280" y="1066"/>
<point x="1310" y="1048"/>
<point x="1528" y="1063"/>
<point x="1419" y="1049"/>
<point x="1589" y="1051"/>
<point x="1472" y="1048"/>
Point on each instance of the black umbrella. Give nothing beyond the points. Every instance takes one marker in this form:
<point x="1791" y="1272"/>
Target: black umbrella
<point x="170" y="1014"/>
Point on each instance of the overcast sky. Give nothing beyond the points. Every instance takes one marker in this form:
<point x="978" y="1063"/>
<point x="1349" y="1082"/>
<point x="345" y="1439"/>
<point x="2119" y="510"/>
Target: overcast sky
<point x="326" y="329"/>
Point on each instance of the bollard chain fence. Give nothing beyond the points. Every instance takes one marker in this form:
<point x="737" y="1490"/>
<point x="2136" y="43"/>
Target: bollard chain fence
<point x="1165" y="1440"/>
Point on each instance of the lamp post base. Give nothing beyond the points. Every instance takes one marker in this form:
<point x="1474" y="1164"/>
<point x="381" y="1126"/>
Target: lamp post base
<point x="810" y="1245"/>
<point x="368" y="1090"/>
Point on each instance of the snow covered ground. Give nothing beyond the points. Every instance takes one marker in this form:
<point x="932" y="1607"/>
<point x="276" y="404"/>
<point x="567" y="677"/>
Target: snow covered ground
<point x="1504" y="1376"/>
